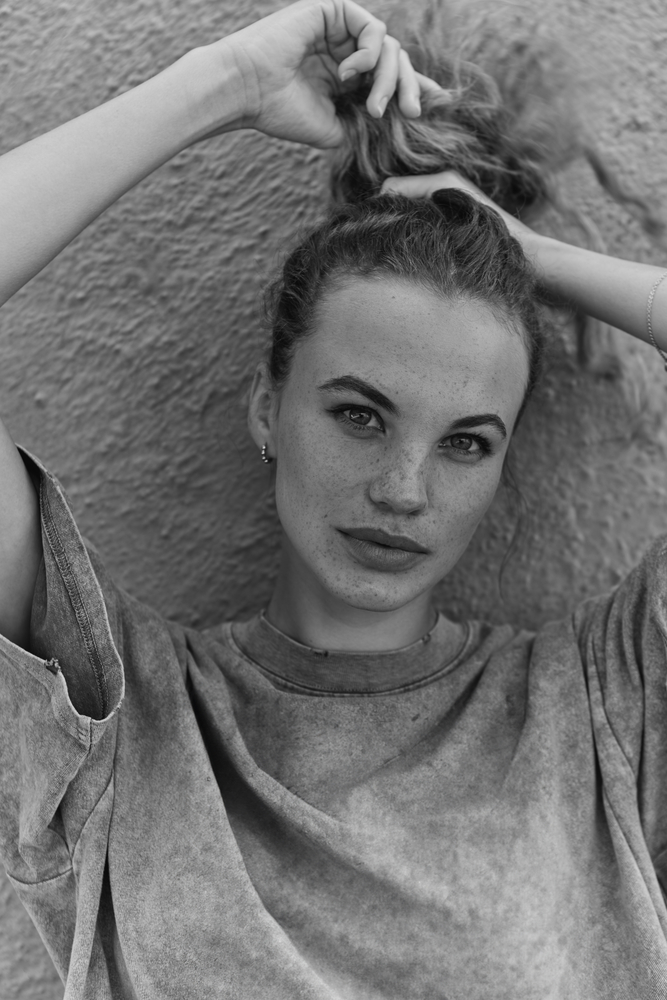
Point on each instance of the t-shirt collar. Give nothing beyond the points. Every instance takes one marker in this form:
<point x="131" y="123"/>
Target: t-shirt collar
<point x="341" y="672"/>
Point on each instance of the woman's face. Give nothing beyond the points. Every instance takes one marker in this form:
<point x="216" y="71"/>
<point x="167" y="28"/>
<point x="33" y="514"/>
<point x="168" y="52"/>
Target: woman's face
<point x="389" y="438"/>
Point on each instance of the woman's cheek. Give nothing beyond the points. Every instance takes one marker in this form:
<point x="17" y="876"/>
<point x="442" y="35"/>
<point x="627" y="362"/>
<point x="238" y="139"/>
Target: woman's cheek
<point x="317" y="458"/>
<point x="311" y="470"/>
<point x="462" y="509"/>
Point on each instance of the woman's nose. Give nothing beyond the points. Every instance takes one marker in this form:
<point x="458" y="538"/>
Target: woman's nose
<point x="401" y="485"/>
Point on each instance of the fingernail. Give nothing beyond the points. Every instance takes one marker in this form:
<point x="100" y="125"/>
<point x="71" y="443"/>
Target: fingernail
<point x="382" y="105"/>
<point x="347" y="75"/>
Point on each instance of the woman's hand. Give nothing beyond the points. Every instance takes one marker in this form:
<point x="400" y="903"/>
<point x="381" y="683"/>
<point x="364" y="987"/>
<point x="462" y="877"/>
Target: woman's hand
<point x="614" y="291"/>
<point x="423" y="186"/>
<point x="279" y="75"/>
<point x="291" y="64"/>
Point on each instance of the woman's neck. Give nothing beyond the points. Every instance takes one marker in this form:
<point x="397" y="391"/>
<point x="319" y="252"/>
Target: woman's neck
<point x="303" y="610"/>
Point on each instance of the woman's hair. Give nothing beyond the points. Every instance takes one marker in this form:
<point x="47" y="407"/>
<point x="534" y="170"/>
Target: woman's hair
<point x="508" y="118"/>
<point x="451" y="245"/>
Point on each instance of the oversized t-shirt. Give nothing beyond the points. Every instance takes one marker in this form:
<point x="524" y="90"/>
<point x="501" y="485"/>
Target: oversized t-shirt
<point x="230" y="814"/>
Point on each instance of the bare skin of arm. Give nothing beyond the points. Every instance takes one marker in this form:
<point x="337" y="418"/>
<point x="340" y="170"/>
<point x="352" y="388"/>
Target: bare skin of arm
<point x="277" y="76"/>
<point x="51" y="189"/>
<point x="613" y="290"/>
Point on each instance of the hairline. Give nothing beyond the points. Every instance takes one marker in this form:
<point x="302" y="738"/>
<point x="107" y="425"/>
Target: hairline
<point x="342" y="277"/>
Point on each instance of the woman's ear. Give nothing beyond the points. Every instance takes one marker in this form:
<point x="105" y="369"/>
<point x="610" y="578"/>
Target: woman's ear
<point x="262" y="410"/>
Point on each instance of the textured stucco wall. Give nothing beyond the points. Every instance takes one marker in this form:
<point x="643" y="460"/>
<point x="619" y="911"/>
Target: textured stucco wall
<point x="124" y="364"/>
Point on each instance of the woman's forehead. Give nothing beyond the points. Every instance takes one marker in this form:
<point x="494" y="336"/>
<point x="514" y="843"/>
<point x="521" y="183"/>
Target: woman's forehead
<point x="411" y="341"/>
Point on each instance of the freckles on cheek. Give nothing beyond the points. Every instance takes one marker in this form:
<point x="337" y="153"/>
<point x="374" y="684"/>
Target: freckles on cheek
<point x="314" y="475"/>
<point x="482" y="500"/>
<point x="315" y="460"/>
<point x="463" y="511"/>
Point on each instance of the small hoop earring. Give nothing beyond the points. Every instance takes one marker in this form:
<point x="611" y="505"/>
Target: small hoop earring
<point x="265" y="454"/>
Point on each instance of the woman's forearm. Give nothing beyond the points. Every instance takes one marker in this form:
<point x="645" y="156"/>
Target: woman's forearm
<point x="613" y="290"/>
<point x="54" y="186"/>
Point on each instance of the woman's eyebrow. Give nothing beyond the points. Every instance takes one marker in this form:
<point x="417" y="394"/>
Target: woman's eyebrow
<point x="477" y="420"/>
<point x="352" y="383"/>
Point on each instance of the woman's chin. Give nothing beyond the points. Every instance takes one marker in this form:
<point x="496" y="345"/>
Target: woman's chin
<point x="380" y="596"/>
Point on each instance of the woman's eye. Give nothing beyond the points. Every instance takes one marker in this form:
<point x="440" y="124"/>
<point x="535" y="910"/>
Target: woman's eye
<point x="463" y="442"/>
<point x="359" y="418"/>
<point x="362" y="417"/>
<point x="467" y="445"/>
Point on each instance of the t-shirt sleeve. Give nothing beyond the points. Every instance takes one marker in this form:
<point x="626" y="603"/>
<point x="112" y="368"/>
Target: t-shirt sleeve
<point x="623" y="642"/>
<point x="58" y="702"/>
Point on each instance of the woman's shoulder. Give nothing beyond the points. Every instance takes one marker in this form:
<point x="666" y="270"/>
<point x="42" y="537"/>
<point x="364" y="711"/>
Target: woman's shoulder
<point x="627" y="622"/>
<point x="638" y="598"/>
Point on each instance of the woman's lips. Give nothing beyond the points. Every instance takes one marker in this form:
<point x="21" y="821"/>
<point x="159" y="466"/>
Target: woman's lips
<point x="380" y="550"/>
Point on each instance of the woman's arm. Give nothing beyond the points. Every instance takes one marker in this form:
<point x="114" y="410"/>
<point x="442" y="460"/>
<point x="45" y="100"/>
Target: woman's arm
<point x="54" y="186"/>
<point x="613" y="290"/>
<point x="278" y="75"/>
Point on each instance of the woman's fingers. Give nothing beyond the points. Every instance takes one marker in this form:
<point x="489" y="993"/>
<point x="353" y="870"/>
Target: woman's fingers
<point x="409" y="88"/>
<point x="386" y="77"/>
<point x="378" y="52"/>
<point x="289" y="57"/>
<point x="369" y="33"/>
<point x="429" y="86"/>
<point x="413" y="86"/>
<point x="423" y="185"/>
<point x="409" y="187"/>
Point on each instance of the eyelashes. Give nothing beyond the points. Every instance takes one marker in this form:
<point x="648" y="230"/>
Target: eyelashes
<point x="364" y="422"/>
<point x="360" y="418"/>
<point x="483" y="444"/>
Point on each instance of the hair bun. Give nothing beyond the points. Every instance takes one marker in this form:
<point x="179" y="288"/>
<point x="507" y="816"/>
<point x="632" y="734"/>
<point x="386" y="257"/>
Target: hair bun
<point x="508" y="118"/>
<point x="457" y="206"/>
<point x="467" y="127"/>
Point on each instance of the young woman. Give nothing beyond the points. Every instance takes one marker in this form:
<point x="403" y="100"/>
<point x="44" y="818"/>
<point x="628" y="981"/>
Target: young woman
<point x="349" y="796"/>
